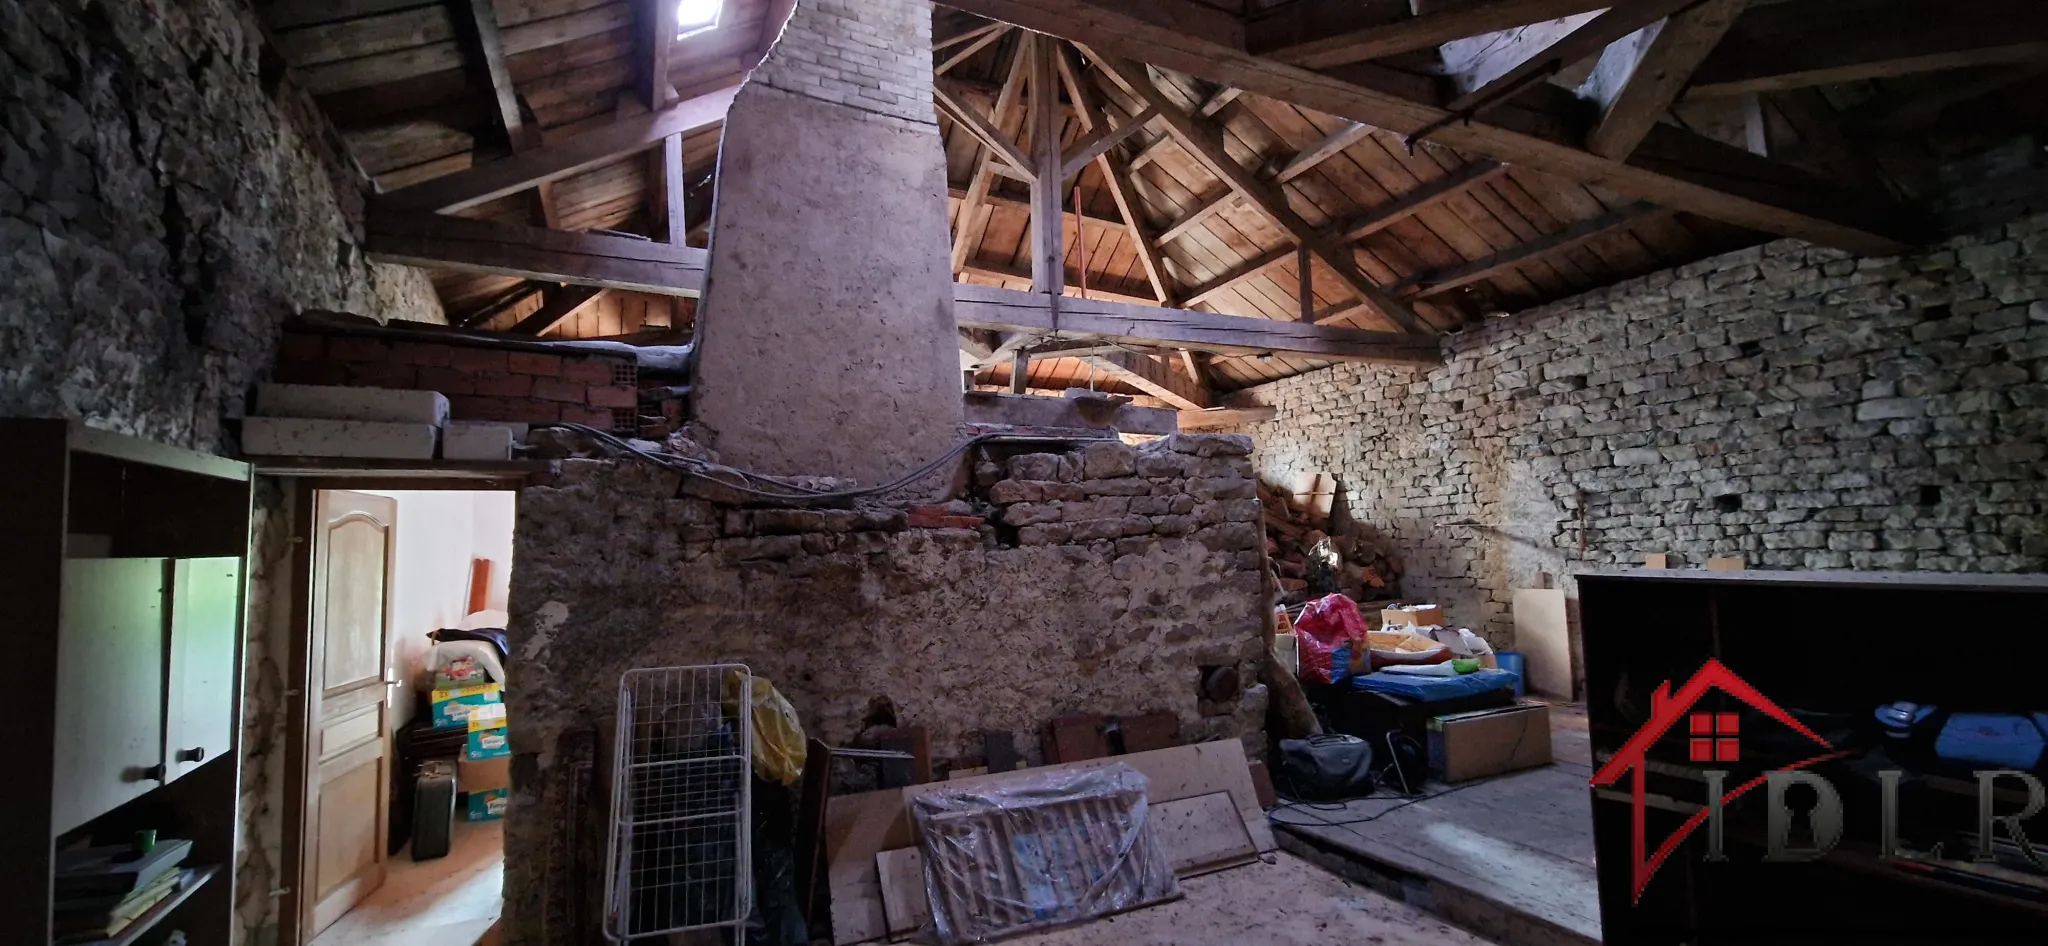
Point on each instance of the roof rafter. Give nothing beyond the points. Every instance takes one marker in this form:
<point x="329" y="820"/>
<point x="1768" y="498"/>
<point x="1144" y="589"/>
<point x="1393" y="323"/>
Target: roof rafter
<point x="1640" y="75"/>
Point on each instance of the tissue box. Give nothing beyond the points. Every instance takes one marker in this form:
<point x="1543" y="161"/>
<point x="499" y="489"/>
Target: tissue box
<point x="487" y="734"/>
<point x="488" y="805"/>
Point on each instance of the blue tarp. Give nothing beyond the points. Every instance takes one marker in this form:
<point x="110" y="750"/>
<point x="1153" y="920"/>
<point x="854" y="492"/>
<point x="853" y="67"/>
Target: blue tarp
<point x="1427" y="689"/>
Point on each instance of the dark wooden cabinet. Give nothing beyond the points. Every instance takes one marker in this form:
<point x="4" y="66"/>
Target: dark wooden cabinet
<point x="122" y="563"/>
<point x="1827" y="650"/>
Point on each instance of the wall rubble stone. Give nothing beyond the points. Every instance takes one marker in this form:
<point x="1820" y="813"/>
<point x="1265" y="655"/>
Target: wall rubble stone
<point x="1795" y="405"/>
<point x="960" y="619"/>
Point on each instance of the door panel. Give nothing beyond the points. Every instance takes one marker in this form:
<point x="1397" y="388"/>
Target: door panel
<point x="206" y="603"/>
<point x="110" y="686"/>
<point x="348" y="766"/>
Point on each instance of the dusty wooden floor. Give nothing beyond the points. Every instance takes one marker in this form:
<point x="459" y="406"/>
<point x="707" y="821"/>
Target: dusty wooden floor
<point x="1289" y="902"/>
<point x="1511" y="857"/>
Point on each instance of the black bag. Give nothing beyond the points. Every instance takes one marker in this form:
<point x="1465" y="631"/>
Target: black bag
<point x="1326" y="768"/>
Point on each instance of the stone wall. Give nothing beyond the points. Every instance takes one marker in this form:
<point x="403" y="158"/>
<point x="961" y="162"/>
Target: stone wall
<point x="165" y="202"/>
<point x="1102" y="580"/>
<point x="1786" y="403"/>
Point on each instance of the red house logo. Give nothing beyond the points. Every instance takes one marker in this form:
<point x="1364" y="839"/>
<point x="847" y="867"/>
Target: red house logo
<point x="1711" y="737"/>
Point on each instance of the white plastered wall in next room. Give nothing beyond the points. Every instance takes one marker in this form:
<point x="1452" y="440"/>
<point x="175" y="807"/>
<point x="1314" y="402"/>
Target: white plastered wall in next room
<point x="439" y="532"/>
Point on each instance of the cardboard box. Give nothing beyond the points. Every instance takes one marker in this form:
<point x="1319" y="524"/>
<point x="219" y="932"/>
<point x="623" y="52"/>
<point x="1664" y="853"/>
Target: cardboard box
<point x="488" y="805"/>
<point x="487" y="735"/>
<point x="453" y="707"/>
<point x="1414" y="615"/>
<point x="484" y="774"/>
<point x="1465" y="746"/>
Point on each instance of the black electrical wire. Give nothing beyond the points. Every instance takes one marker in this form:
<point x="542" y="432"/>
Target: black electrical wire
<point x="783" y="490"/>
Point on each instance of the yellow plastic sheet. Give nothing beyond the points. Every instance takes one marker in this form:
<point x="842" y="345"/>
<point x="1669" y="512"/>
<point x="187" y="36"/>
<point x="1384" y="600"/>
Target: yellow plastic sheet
<point x="778" y="735"/>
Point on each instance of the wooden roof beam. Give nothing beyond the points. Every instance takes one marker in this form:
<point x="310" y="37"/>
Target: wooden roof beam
<point x="1001" y="144"/>
<point x="1008" y="310"/>
<point x="1672" y="168"/>
<point x="536" y="253"/>
<point x="1095" y="114"/>
<point x="1204" y="139"/>
<point x="967" y="223"/>
<point x="1779" y="46"/>
<point x="561" y="304"/>
<point x="560" y="159"/>
<point x="986" y="37"/>
<point x="1446" y="279"/>
<point x="1152" y="376"/>
<point x="1048" y="248"/>
<point x="1640" y="75"/>
<point x="1319" y="34"/>
<point x="1504" y="69"/>
<point x="1330" y="147"/>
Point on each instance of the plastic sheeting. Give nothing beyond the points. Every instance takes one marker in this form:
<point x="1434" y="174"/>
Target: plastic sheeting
<point x="1039" y="851"/>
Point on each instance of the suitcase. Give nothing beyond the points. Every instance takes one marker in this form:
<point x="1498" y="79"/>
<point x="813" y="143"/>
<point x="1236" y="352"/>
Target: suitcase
<point x="433" y="811"/>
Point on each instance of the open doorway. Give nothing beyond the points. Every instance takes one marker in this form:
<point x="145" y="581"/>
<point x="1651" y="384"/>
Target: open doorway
<point x="400" y="756"/>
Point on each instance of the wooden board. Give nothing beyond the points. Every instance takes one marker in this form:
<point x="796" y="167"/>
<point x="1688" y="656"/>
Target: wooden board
<point x="905" y="905"/>
<point x="1543" y="637"/>
<point x="857" y="827"/>
<point x="1202" y="834"/>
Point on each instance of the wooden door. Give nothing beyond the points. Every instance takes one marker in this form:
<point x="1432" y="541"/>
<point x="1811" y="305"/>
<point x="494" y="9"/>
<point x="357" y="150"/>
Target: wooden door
<point x="347" y="757"/>
<point x="206" y="604"/>
<point x="110" y="687"/>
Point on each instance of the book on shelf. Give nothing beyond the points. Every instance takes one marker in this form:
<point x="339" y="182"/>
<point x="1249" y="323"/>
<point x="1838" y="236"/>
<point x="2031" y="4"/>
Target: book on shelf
<point x="92" y="921"/>
<point x="116" y="870"/>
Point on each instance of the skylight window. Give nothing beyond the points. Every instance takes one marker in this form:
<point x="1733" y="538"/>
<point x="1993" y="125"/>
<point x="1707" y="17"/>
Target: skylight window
<point x="696" y="16"/>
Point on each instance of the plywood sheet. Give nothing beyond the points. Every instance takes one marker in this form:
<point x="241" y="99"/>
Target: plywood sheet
<point x="1543" y="637"/>
<point x="1202" y="834"/>
<point x="905" y="905"/>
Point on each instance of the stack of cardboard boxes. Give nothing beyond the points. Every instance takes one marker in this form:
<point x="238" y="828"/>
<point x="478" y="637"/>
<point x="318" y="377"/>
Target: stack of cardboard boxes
<point x="484" y="772"/>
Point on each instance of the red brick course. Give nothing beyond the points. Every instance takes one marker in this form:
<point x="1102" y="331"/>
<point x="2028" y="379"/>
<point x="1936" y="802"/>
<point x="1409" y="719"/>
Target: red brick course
<point x="526" y="362"/>
<point x="508" y="385"/>
<point x="588" y="370"/>
<point x="551" y="389"/>
<point x="480" y="383"/>
<point x="614" y="396"/>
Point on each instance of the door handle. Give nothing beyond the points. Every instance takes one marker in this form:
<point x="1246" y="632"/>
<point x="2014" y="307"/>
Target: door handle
<point x="194" y="754"/>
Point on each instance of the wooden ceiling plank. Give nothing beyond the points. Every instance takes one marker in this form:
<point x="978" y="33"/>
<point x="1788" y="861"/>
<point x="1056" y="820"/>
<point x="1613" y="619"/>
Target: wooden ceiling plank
<point x="561" y="303"/>
<point x="1688" y="173"/>
<point x="972" y="216"/>
<point x="561" y="159"/>
<point x="1640" y="75"/>
<point x="1011" y="311"/>
<point x="521" y="136"/>
<point x="1410" y="33"/>
<point x="536" y="253"/>
<point x="1774" y="47"/>
<point x="1204" y="141"/>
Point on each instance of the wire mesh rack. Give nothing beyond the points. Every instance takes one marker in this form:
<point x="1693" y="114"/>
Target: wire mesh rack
<point x="679" y="850"/>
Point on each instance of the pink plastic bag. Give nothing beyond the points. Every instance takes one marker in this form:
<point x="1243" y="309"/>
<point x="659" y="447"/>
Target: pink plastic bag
<point x="1326" y="624"/>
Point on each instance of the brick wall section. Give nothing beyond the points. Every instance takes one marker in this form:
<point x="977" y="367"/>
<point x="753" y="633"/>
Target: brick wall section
<point x="481" y="383"/>
<point x="1098" y="580"/>
<point x="1794" y="405"/>
<point x="874" y="55"/>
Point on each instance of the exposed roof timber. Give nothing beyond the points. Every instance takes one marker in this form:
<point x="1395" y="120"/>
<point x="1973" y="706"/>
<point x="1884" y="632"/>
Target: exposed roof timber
<point x="658" y="39"/>
<point x="562" y="303"/>
<point x="992" y="269"/>
<point x="1008" y="119"/>
<point x="988" y="36"/>
<point x="1203" y="139"/>
<point x="482" y="246"/>
<point x="1640" y="75"/>
<point x="504" y="302"/>
<point x="1588" y="39"/>
<point x="1152" y="376"/>
<point x="1676" y="169"/>
<point x="1318" y="34"/>
<point x="987" y="133"/>
<point x="1773" y="47"/>
<point x="1115" y="175"/>
<point x="555" y="161"/>
<point x="1098" y="141"/>
<point x="971" y="29"/>
<point x="1196" y="217"/>
<point x="1048" y="250"/>
<point x="1444" y="280"/>
<point x="1004" y="200"/>
<point x="1323" y="150"/>
<point x="1012" y="311"/>
<point x="520" y="136"/>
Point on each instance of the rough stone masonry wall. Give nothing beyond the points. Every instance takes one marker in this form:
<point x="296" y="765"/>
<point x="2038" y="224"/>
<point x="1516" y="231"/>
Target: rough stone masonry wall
<point x="1791" y="404"/>
<point x="164" y="203"/>
<point x="166" y="200"/>
<point x="1102" y="580"/>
